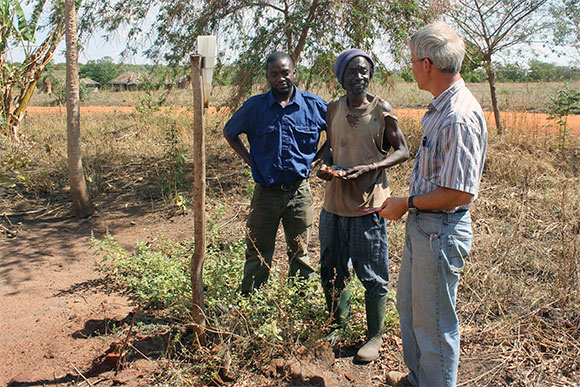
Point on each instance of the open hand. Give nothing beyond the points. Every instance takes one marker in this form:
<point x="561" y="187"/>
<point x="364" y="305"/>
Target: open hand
<point x="358" y="170"/>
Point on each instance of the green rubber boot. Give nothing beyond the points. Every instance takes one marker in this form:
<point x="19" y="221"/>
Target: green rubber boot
<point x="376" y="309"/>
<point x="339" y="310"/>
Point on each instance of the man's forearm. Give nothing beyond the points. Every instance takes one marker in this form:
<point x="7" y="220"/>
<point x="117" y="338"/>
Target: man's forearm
<point x="438" y="200"/>
<point x="396" y="157"/>
<point x="239" y="147"/>
<point x="442" y="199"/>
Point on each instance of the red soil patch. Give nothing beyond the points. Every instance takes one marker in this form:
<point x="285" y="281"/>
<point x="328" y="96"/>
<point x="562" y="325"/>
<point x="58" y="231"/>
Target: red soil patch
<point x="534" y="123"/>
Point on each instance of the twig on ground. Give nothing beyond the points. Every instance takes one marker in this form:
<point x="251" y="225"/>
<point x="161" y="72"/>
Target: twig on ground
<point x="479" y="377"/>
<point x="127" y="339"/>
<point x="7" y="219"/>
<point x="7" y="231"/>
<point x="22" y="213"/>
<point x="81" y="375"/>
<point x="139" y="352"/>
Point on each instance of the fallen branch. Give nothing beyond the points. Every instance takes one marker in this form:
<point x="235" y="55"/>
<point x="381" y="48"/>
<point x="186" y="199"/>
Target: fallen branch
<point x="7" y="231"/>
<point x="81" y="375"/>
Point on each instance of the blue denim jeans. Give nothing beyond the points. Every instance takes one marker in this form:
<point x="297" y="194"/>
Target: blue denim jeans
<point x="436" y="245"/>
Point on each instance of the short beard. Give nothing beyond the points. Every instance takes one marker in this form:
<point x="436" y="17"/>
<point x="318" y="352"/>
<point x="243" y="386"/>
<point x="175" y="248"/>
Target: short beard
<point x="288" y="93"/>
<point x="357" y="92"/>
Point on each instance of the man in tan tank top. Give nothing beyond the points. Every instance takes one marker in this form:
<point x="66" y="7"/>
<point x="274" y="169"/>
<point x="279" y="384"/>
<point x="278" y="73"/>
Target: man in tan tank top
<point x="361" y="130"/>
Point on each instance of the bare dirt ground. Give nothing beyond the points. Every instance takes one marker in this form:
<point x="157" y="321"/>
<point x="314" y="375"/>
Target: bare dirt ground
<point x="58" y="315"/>
<point x="60" y="319"/>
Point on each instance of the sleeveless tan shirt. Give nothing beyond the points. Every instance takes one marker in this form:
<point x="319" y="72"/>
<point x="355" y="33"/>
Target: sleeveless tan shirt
<point x="356" y="137"/>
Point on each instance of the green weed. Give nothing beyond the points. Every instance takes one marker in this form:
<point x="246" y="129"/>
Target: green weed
<point x="282" y="315"/>
<point x="561" y="105"/>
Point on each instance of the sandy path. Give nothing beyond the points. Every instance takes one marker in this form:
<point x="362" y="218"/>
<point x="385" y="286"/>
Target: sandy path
<point x="536" y="123"/>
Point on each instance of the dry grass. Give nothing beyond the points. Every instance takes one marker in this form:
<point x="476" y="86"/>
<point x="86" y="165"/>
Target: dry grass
<point x="518" y="298"/>
<point x="519" y="295"/>
<point x="518" y="97"/>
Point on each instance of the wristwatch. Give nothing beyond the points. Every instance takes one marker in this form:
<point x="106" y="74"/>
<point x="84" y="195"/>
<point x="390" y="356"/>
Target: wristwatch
<point x="410" y="202"/>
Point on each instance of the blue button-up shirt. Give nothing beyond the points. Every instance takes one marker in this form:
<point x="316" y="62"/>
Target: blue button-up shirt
<point x="283" y="139"/>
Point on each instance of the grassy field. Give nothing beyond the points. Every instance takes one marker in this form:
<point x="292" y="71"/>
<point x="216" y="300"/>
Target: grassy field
<point x="518" y="298"/>
<point x="519" y="97"/>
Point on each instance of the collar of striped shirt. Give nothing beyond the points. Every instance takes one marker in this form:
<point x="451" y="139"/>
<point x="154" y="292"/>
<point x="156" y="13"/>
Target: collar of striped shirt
<point x="440" y="102"/>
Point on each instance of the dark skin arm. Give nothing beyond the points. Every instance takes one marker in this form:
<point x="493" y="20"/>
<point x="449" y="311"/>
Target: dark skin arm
<point x="238" y="146"/>
<point x="393" y="136"/>
<point x="438" y="200"/>
<point x="320" y="155"/>
<point x="325" y="151"/>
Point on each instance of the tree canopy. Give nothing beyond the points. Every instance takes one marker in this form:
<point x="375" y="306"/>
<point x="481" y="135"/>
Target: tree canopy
<point x="100" y="70"/>
<point x="313" y="32"/>
<point x="566" y="26"/>
<point x="491" y="26"/>
<point x="17" y="31"/>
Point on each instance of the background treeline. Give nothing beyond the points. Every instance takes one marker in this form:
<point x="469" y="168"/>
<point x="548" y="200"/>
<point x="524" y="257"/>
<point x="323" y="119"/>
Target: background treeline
<point x="104" y="70"/>
<point x="534" y="71"/>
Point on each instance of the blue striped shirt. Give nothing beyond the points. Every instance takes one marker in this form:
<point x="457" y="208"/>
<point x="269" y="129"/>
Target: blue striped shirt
<point x="453" y="148"/>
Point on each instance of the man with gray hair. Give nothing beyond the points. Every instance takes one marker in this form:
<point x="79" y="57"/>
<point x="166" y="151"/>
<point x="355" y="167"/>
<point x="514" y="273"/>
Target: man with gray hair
<point x="444" y="182"/>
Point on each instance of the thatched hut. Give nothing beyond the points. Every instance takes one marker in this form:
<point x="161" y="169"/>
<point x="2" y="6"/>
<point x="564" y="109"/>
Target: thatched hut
<point x="183" y="82"/>
<point x="90" y="83"/>
<point x="131" y="80"/>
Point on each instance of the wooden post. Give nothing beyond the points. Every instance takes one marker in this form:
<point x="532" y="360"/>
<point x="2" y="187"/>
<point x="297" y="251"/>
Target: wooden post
<point x="198" y="198"/>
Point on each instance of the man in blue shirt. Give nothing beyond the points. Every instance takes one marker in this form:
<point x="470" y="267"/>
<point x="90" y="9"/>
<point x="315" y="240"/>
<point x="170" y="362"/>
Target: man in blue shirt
<point x="282" y="127"/>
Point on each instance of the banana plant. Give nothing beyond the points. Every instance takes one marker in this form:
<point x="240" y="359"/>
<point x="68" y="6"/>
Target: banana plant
<point x="16" y="30"/>
<point x="21" y="31"/>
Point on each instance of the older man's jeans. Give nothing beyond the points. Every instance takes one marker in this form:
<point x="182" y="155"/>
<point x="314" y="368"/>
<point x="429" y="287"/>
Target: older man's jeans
<point x="436" y="245"/>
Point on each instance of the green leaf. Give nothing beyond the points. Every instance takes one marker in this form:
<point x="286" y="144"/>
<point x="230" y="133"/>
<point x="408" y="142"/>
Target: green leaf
<point x="23" y="28"/>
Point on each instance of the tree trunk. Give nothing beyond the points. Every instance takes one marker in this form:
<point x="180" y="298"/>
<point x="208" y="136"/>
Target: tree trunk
<point x="78" y="186"/>
<point x="491" y="79"/>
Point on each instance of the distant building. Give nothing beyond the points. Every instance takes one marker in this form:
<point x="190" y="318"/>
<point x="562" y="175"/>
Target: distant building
<point x="90" y="83"/>
<point x="183" y="82"/>
<point x="131" y="80"/>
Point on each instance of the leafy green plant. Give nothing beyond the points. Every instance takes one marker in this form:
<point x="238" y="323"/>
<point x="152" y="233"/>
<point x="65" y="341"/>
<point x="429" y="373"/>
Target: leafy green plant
<point x="281" y="316"/>
<point x="59" y="92"/>
<point x="561" y="105"/>
<point x="152" y="100"/>
<point x="173" y="180"/>
<point x="13" y="169"/>
<point x="251" y="185"/>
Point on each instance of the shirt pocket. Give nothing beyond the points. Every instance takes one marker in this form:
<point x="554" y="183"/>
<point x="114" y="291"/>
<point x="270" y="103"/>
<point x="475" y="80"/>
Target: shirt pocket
<point x="306" y="138"/>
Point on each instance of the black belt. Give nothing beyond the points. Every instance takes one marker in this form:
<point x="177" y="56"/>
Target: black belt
<point x="285" y="187"/>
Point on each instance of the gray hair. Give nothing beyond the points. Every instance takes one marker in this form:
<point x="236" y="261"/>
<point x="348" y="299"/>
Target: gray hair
<point x="439" y="42"/>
